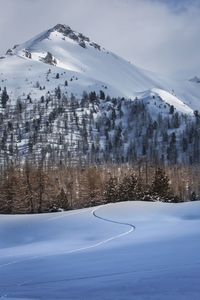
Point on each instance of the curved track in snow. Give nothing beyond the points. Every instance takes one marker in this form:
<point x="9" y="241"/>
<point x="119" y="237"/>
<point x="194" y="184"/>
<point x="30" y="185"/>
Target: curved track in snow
<point x="130" y="226"/>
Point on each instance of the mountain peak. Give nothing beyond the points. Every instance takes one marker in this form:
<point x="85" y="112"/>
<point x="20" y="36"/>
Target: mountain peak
<point x="81" y="39"/>
<point x="66" y="31"/>
<point x="51" y="34"/>
<point x="61" y="27"/>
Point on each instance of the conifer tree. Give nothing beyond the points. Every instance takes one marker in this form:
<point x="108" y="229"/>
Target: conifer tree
<point x="62" y="201"/>
<point x="160" y="186"/>
<point x="111" y="190"/>
<point x="4" y="98"/>
<point x="127" y="188"/>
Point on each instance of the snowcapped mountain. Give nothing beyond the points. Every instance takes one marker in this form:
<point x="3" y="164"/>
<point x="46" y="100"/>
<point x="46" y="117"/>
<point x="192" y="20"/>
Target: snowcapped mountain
<point x="86" y="66"/>
<point x="63" y="96"/>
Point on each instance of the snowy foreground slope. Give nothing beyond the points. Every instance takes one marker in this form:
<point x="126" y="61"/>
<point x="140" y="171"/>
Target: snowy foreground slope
<point x="88" y="254"/>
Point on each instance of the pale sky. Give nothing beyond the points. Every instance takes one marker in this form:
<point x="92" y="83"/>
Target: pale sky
<point x="159" y="35"/>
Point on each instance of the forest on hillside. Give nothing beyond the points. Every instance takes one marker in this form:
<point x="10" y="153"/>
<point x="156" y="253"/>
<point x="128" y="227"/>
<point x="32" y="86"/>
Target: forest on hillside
<point x="95" y="129"/>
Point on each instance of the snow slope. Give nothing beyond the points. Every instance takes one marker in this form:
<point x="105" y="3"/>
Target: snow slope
<point x="132" y="250"/>
<point x="90" y="67"/>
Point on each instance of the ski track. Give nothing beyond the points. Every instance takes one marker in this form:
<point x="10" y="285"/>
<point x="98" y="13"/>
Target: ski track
<point x="94" y="213"/>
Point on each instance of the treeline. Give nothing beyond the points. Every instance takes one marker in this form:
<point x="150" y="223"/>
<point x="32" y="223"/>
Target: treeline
<point x="37" y="189"/>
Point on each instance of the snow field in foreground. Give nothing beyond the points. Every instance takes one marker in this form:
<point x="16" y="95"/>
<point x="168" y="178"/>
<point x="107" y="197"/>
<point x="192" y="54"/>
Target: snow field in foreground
<point x="84" y="255"/>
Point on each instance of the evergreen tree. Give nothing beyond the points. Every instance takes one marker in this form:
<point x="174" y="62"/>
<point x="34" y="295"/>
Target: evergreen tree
<point x="62" y="201"/>
<point x="160" y="188"/>
<point x="4" y="98"/>
<point x="111" y="190"/>
<point x="193" y="197"/>
<point x="127" y="188"/>
<point x="92" y="96"/>
<point x="171" y="109"/>
<point x="58" y="92"/>
<point x="102" y="95"/>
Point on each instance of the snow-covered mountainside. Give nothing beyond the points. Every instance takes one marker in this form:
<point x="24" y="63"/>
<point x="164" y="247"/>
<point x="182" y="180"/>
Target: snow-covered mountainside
<point x="129" y="250"/>
<point x="86" y="66"/>
<point x="63" y="95"/>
